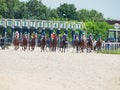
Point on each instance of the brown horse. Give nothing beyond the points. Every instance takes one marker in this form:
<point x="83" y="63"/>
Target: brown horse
<point x="16" y="43"/>
<point x="89" y="45"/>
<point x="53" y="44"/>
<point x="76" y="45"/>
<point x="43" y="44"/>
<point x="82" y="44"/>
<point x="98" y="45"/>
<point x="32" y="44"/>
<point x="63" y="44"/>
<point x="24" y="43"/>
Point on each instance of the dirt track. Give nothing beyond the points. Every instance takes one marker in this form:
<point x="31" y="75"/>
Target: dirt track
<point x="27" y="70"/>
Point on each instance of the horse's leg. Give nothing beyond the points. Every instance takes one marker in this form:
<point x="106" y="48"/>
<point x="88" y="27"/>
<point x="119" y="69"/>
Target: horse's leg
<point x="87" y="48"/>
<point x="91" y="48"/>
<point x="73" y="48"/>
<point x="77" y="49"/>
<point x="81" y="49"/>
<point x="64" y="48"/>
<point x="55" y="48"/>
<point x="14" y="47"/>
<point x="33" y="47"/>
<point x="29" y="48"/>
<point x="42" y="48"/>
<point x="25" y="47"/>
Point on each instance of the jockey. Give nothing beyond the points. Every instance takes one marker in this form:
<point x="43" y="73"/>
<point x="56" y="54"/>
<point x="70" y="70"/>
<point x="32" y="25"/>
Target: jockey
<point x="76" y="36"/>
<point x="90" y="36"/>
<point x="53" y="36"/>
<point x="25" y="35"/>
<point x="43" y="35"/>
<point x="83" y="36"/>
<point x="64" y="37"/>
<point x="17" y="34"/>
<point x="33" y="35"/>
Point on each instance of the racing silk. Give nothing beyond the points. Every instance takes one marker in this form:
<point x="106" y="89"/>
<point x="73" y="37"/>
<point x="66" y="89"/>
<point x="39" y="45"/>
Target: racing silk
<point x="53" y="36"/>
<point x="90" y="37"/>
<point x="76" y="37"/>
<point x="64" y="37"/>
<point x="83" y="37"/>
<point x="43" y="35"/>
<point x="33" y="36"/>
<point x="17" y="34"/>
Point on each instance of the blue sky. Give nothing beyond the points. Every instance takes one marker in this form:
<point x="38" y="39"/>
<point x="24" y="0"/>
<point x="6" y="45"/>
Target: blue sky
<point x="110" y="8"/>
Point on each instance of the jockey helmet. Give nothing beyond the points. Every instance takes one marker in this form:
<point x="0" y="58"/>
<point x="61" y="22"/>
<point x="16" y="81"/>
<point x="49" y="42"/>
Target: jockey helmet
<point x="16" y="32"/>
<point x="25" y="33"/>
<point x="90" y="34"/>
<point x="43" y="33"/>
<point x="64" y="34"/>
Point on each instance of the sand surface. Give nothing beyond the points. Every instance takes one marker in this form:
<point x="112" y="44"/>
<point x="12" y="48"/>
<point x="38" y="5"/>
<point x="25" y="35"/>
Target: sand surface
<point x="26" y="70"/>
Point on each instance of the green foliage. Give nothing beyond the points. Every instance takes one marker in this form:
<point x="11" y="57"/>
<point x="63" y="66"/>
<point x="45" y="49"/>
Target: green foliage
<point x="110" y="51"/>
<point x="67" y="11"/>
<point x="0" y="16"/>
<point x="97" y="28"/>
<point x="89" y="15"/>
<point x="35" y="9"/>
<point x="3" y="8"/>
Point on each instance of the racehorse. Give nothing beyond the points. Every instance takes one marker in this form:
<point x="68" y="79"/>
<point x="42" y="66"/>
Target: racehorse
<point x="16" y="43"/>
<point x="89" y="45"/>
<point x="76" y="44"/>
<point x="43" y="44"/>
<point x="24" y="43"/>
<point x="53" y="44"/>
<point x="32" y="42"/>
<point x="63" y="44"/>
<point x="82" y="44"/>
<point x="98" y="45"/>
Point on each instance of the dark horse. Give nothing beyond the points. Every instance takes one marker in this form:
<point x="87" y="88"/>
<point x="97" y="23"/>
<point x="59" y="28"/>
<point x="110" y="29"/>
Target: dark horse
<point x="16" y="43"/>
<point x="43" y="44"/>
<point x="63" y="44"/>
<point x="89" y="45"/>
<point x="76" y="44"/>
<point x="98" y="45"/>
<point x="53" y="44"/>
<point x="32" y="44"/>
<point x="24" y="43"/>
<point x="82" y="44"/>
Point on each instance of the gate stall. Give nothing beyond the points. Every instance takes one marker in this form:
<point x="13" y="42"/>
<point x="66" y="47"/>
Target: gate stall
<point x="38" y="26"/>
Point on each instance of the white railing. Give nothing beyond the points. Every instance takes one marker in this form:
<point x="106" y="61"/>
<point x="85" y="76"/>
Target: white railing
<point x="111" y="46"/>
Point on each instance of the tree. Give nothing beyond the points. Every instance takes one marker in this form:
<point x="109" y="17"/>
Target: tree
<point x="67" y="11"/>
<point x="98" y="28"/>
<point x="89" y="15"/>
<point x="37" y="10"/>
<point x="3" y="8"/>
<point x="96" y="16"/>
<point x="83" y="15"/>
<point x="53" y="14"/>
<point x="13" y="7"/>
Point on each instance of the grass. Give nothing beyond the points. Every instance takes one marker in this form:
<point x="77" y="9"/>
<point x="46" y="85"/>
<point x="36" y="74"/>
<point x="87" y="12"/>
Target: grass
<point x="110" y="52"/>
